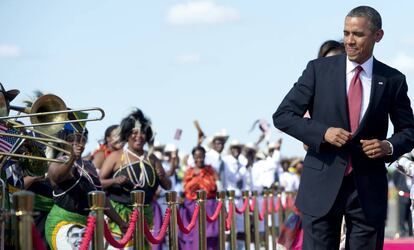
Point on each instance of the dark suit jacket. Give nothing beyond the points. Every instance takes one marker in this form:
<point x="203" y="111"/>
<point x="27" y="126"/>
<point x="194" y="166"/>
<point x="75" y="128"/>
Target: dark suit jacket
<point x="322" y="90"/>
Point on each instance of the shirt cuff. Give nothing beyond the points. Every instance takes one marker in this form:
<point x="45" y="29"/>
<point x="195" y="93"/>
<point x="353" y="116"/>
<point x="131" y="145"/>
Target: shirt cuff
<point x="391" y="148"/>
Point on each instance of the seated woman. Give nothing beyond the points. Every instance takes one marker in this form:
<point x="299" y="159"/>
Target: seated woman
<point x="133" y="168"/>
<point x="199" y="177"/>
<point x="71" y="181"/>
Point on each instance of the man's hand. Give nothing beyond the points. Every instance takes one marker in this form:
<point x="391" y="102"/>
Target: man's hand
<point x="337" y="136"/>
<point x="375" y="148"/>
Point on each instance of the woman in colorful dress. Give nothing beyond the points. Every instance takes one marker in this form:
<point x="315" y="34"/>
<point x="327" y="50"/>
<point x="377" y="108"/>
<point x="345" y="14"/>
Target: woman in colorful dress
<point x="133" y="168"/>
<point x="110" y="144"/>
<point x="71" y="182"/>
<point x="199" y="177"/>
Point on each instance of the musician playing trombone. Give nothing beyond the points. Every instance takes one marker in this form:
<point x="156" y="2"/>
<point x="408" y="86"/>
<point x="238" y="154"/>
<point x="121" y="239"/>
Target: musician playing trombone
<point x="71" y="181"/>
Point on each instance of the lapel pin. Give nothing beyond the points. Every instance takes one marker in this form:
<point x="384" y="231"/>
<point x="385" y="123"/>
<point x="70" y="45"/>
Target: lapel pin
<point x="380" y="83"/>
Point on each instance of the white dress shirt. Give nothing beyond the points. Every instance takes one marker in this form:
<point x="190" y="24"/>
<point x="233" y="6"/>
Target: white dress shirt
<point x="366" y="80"/>
<point x="233" y="173"/>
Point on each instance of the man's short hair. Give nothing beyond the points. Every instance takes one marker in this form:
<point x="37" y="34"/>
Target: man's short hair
<point x="370" y="13"/>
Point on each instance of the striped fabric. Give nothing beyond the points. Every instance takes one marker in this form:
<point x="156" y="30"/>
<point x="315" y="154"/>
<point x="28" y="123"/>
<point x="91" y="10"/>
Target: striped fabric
<point x="7" y="142"/>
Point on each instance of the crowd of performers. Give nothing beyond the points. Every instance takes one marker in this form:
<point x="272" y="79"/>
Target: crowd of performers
<point x="127" y="160"/>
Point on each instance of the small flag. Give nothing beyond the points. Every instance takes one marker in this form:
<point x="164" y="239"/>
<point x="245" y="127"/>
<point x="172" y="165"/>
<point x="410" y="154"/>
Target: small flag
<point x="178" y="133"/>
<point x="264" y="126"/>
<point x="76" y="126"/>
<point x="7" y="142"/>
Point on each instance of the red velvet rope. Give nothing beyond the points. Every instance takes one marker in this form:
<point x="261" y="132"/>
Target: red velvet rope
<point x="187" y="229"/>
<point x="270" y="205"/>
<point x="229" y="216"/>
<point x="37" y="241"/>
<point x="278" y="202"/>
<point x="254" y="201"/>
<point x="87" y="237"/>
<point x="216" y="213"/>
<point x="262" y="212"/>
<point x="161" y="235"/>
<point x="128" y="235"/>
<point x="245" y="204"/>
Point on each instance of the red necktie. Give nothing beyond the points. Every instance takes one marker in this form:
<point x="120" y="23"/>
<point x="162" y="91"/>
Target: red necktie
<point x="354" y="106"/>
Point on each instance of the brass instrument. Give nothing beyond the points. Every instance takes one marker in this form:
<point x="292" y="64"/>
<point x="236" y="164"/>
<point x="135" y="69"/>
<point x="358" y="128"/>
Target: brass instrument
<point x="49" y="110"/>
<point x="50" y="114"/>
<point x="47" y="140"/>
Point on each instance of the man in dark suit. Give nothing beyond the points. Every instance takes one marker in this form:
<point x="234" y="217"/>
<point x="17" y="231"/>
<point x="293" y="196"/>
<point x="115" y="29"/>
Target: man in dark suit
<point x="349" y="98"/>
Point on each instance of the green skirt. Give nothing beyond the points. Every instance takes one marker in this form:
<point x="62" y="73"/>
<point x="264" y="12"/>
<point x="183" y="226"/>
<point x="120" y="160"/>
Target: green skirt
<point x="125" y="212"/>
<point x="57" y="220"/>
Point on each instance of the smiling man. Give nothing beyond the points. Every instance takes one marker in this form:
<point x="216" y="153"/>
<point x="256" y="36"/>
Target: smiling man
<point x="350" y="98"/>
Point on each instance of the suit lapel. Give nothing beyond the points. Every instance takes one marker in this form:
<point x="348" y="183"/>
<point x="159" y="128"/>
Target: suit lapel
<point x="342" y="95"/>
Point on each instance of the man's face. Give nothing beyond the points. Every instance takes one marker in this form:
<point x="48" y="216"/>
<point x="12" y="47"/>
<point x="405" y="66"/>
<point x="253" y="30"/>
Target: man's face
<point x="78" y="142"/>
<point x="235" y="151"/>
<point x="359" y="39"/>
<point x="75" y="237"/>
<point x="218" y="144"/>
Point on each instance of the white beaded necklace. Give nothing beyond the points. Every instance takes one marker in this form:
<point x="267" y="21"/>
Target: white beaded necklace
<point x="143" y="176"/>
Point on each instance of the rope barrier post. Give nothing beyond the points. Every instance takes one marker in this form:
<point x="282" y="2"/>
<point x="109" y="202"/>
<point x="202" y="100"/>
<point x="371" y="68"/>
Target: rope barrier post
<point x="221" y="197"/>
<point x="280" y="213"/>
<point x="2" y="212"/>
<point x="233" y="229"/>
<point x="247" y="233"/>
<point x="256" y="222"/>
<point x="171" y="198"/>
<point x="96" y="201"/>
<point x="266" y="219"/>
<point x="138" y="197"/>
<point x="23" y="203"/>
<point x="202" y="217"/>
<point x="272" y="218"/>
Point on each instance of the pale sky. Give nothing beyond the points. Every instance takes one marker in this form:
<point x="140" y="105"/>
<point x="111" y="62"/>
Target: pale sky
<point x="225" y="63"/>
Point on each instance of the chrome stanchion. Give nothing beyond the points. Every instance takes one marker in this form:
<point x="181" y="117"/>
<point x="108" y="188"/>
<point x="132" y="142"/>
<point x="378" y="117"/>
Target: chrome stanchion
<point x="256" y="222"/>
<point x="138" y="198"/>
<point x="272" y="218"/>
<point x="233" y="229"/>
<point x="171" y="198"/>
<point x="2" y="212"/>
<point x="202" y="217"/>
<point x="23" y="203"/>
<point x="221" y="197"/>
<point x="96" y="201"/>
<point x="247" y="233"/>
<point x="266" y="219"/>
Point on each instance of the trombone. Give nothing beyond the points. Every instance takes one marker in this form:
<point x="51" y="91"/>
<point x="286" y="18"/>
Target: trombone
<point x="45" y="141"/>
<point x="50" y="110"/>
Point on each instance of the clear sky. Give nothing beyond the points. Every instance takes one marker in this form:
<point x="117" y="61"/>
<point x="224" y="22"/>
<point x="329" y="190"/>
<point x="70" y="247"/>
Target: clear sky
<point x="225" y="63"/>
